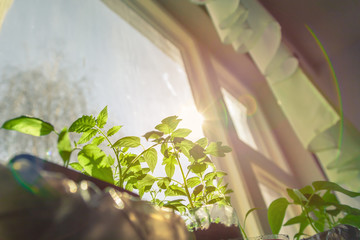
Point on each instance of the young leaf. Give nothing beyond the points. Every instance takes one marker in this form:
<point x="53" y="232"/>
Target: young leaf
<point x="210" y="176"/>
<point x="192" y="182"/>
<point x="150" y="157"/>
<point x="296" y="220"/>
<point x="113" y="130"/>
<point x="181" y="133"/>
<point x="153" y="135"/>
<point x="91" y="159"/>
<point x="102" y="118"/>
<point x="28" y="125"/>
<point x="197" y="152"/>
<point x="198" y="189"/>
<point x="98" y="140"/>
<point x="217" y="150"/>
<point x="83" y="124"/>
<point x="130" y="142"/>
<point x="64" y="146"/>
<point x="87" y="136"/>
<point x="276" y="214"/>
<point x="174" y="190"/>
<point x="197" y="167"/>
<point x="168" y="125"/>
<point x="203" y="142"/>
<point x="163" y="183"/>
<point x="170" y="169"/>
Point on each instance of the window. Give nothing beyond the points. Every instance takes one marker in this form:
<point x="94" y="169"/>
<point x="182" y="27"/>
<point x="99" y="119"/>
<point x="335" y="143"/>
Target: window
<point x="62" y="59"/>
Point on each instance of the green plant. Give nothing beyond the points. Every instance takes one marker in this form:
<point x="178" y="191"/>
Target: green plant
<point x="200" y="182"/>
<point x="320" y="208"/>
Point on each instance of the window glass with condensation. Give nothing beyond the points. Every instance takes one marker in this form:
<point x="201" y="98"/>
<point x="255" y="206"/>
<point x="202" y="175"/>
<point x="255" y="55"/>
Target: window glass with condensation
<point x="61" y="59"/>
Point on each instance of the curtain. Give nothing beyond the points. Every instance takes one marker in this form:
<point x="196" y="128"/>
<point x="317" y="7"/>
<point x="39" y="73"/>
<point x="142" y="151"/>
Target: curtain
<point x="249" y="28"/>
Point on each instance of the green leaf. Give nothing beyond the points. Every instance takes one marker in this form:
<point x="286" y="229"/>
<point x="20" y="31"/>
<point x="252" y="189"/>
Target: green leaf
<point x="217" y="150"/>
<point x="130" y="142"/>
<point x="214" y="200"/>
<point x="325" y="185"/>
<point x="197" y="152"/>
<point x="28" y="125"/>
<point x="83" y="124"/>
<point x="316" y="201"/>
<point x="92" y="158"/>
<point x="113" y="130"/>
<point x="76" y="166"/>
<point x="168" y="125"/>
<point x="153" y="135"/>
<point x="64" y="146"/>
<point x="148" y="180"/>
<point x="193" y="181"/>
<point x="198" y="189"/>
<point x="98" y="140"/>
<point x="174" y="190"/>
<point x="276" y="214"/>
<point x="296" y="220"/>
<point x="197" y="167"/>
<point x="150" y="157"/>
<point x="351" y="220"/>
<point x="181" y="132"/>
<point x="102" y="118"/>
<point x="209" y="189"/>
<point x="170" y="163"/>
<point x="163" y="183"/>
<point x="210" y="176"/>
<point x="87" y="136"/>
<point x="203" y="142"/>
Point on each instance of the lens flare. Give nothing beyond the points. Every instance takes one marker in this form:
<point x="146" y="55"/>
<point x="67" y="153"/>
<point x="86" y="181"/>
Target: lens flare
<point x="250" y="103"/>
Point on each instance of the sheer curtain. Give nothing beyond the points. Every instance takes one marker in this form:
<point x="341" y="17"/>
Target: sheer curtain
<point x="249" y="28"/>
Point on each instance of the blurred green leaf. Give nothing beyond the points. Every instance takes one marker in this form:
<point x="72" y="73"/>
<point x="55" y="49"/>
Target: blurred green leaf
<point x="76" y="166"/>
<point x="203" y="142"/>
<point x="168" y="125"/>
<point x="28" y="125"/>
<point x="217" y="150"/>
<point x="153" y="135"/>
<point x="181" y="132"/>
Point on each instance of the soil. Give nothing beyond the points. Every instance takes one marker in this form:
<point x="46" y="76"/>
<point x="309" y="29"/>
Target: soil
<point x="218" y="231"/>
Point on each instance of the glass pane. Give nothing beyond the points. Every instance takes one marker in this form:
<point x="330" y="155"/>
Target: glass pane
<point x="239" y="113"/>
<point x="61" y="59"/>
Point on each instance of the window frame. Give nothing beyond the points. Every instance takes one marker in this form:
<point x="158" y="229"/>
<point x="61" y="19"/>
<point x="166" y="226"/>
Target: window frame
<point x="244" y="166"/>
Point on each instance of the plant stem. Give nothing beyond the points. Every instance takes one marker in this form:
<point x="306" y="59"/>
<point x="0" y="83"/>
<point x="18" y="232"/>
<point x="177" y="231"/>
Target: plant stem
<point x="116" y="155"/>
<point x="134" y="161"/>
<point x="185" y="184"/>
